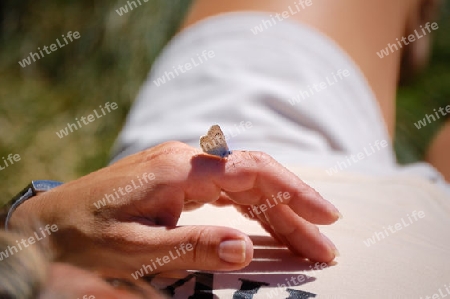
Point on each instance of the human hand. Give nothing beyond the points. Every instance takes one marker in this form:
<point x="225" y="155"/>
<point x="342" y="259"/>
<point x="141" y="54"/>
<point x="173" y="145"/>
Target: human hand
<point x="140" y="225"/>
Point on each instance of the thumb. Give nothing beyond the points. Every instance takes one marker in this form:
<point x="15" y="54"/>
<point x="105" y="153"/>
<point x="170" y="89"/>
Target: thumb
<point x="200" y="248"/>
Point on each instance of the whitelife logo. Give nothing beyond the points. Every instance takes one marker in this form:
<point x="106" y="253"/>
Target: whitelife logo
<point x="86" y="120"/>
<point x="121" y="191"/>
<point x="297" y="280"/>
<point x="313" y="89"/>
<point x="430" y="117"/>
<point x="254" y="210"/>
<point x="12" y="249"/>
<point x="124" y="9"/>
<point x="266" y="24"/>
<point x="217" y="139"/>
<point x="11" y="158"/>
<point x="411" y="38"/>
<point x="439" y="295"/>
<point x="353" y="159"/>
<point x="183" y="68"/>
<point x="148" y="269"/>
<point x="27" y="61"/>
<point x="392" y="229"/>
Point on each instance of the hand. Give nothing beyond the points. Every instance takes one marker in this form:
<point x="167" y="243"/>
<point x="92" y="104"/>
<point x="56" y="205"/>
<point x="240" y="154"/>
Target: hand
<point x="139" y="226"/>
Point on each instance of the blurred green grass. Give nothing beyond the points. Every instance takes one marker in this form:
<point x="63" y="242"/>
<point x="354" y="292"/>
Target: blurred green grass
<point x="108" y="64"/>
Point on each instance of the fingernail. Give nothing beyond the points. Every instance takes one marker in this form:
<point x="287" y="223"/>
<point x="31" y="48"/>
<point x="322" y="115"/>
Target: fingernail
<point x="232" y="251"/>
<point x="340" y="215"/>
<point x="331" y="244"/>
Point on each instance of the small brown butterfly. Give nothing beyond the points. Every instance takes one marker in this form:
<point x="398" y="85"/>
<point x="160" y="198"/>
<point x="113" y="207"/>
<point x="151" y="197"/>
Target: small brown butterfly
<point x="214" y="142"/>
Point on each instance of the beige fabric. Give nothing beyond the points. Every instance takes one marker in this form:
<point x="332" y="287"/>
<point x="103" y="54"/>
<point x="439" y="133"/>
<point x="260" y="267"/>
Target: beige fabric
<point x="413" y="262"/>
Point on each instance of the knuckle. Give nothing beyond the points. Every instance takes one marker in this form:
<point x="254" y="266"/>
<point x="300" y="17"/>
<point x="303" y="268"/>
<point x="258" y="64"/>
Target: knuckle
<point x="172" y="149"/>
<point x="201" y="242"/>
<point x="261" y="158"/>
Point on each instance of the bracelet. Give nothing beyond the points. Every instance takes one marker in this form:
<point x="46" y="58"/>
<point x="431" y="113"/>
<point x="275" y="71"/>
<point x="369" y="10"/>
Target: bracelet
<point x="29" y="191"/>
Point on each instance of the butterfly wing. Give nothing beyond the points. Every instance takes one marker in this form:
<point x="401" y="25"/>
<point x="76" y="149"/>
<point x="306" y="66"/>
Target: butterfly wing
<point x="214" y="142"/>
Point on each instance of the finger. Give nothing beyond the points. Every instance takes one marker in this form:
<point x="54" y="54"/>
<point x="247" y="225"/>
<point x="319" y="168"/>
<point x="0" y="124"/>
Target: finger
<point x="224" y="200"/>
<point x="273" y="233"/>
<point x="191" y="247"/>
<point x="192" y="205"/>
<point x="249" y="178"/>
<point x="256" y="179"/>
<point x="262" y="220"/>
<point x="253" y="178"/>
<point x="302" y="237"/>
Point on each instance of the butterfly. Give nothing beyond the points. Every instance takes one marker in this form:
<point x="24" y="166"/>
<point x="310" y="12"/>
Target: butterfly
<point x="214" y="142"/>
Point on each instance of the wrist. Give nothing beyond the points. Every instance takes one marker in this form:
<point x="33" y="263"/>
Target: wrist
<point x="28" y="213"/>
<point x="27" y="207"/>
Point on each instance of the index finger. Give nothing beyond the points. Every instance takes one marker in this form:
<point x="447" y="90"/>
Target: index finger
<point x="255" y="178"/>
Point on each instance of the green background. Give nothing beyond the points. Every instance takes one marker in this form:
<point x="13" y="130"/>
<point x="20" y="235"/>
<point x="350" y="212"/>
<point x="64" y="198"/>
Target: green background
<point x="109" y="63"/>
